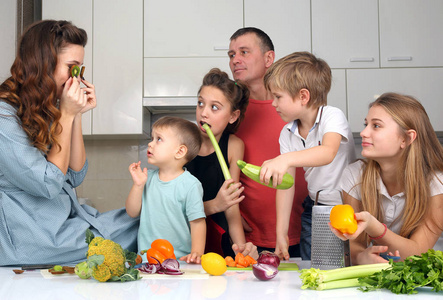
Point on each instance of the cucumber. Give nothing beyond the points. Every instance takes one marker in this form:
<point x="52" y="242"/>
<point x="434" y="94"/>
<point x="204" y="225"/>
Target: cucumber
<point x="253" y="172"/>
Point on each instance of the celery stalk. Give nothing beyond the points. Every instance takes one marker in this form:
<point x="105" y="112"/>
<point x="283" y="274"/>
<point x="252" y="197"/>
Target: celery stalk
<point x="338" y="284"/>
<point x="218" y="152"/>
<point x="352" y="272"/>
<point x="328" y="279"/>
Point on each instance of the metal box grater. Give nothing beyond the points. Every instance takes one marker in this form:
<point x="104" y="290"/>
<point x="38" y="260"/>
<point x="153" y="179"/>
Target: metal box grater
<point x="327" y="250"/>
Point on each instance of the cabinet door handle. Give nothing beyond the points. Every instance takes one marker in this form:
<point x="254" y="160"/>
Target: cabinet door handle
<point x="220" y="48"/>
<point x="361" y="59"/>
<point x="400" y="58"/>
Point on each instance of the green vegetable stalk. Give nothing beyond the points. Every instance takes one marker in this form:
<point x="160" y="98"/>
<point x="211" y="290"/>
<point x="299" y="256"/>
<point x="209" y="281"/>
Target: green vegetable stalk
<point x="218" y="152"/>
<point x="404" y="277"/>
<point x="316" y="279"/>
<point x="253" y="172"/>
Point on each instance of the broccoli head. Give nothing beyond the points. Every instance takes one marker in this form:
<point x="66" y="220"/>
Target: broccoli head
<point x="108" y="259"/>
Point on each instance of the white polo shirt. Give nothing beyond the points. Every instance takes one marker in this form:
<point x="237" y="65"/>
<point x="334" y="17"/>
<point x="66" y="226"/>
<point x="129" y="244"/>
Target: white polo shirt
<point x="324" y="178"/>
<point x="392" y="205"/>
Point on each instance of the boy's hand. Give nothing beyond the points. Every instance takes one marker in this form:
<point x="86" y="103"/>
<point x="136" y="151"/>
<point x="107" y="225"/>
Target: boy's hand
<point x="139" y="176"/>
<point x="281" y="247"/>
<point x="275" y="169"/>
<point x="192" y="258"/>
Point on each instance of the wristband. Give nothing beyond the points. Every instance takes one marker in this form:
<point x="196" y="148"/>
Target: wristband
<point x="380" y="236"/>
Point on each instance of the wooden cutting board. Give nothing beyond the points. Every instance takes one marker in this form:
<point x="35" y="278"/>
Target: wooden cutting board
<point x="281" y="267"/>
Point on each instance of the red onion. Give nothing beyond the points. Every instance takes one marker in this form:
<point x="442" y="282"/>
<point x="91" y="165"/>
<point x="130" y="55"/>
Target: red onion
<point x="264" y="271"/>
<point x="268" y="258"/>
<point x="169" y="266"/>
<point x="149" y="268"/>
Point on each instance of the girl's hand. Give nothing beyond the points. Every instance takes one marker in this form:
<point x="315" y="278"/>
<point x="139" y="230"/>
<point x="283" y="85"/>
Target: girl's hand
<point x="364" y="219"/>
<point x="246" y="249"/>
<point x="73" y="100"/>
<point x="275" y="169"/>
<point x="139" y="176"/>
<point x="281" y="247"/>
<point x="229" y="195"/>
<point x="192" y="258"/>
<point x="89" y="91"/>
<point x="371" y="255"/>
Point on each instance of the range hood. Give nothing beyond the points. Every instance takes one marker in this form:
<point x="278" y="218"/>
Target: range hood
<point x="170" y="104"/>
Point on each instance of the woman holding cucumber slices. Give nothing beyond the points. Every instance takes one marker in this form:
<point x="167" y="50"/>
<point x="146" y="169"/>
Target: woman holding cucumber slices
<point x="221" y="104"/>
<point x="43" y="155"/>
<point x="397" y="191"/>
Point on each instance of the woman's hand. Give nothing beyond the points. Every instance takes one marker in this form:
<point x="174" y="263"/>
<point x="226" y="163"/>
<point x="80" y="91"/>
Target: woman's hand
<point x="73" y="100"/>
<point x="275" y="169"/>
<point x="246" y="249"/>
<point x="228" y="195"/>
<point x="89" y="91"/>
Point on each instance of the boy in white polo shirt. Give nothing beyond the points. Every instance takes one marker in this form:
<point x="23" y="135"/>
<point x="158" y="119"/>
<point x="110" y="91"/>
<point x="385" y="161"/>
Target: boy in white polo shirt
<point x="317" y="137"/>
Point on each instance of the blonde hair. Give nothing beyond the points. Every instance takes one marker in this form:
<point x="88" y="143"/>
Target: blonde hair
<point x="187" y="133"/>
<point x="420" y="161"/>
<point x="301" y="70"/>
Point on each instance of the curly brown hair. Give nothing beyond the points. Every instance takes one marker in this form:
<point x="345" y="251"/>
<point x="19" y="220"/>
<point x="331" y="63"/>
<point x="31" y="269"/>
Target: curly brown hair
<point x="31" y="89"/>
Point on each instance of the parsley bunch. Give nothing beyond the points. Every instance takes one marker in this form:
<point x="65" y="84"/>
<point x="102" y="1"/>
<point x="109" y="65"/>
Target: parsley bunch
<point x="404" y="277"/>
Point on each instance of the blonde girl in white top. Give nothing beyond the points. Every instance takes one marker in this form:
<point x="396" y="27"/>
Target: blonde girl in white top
<point x="397" y="192"/>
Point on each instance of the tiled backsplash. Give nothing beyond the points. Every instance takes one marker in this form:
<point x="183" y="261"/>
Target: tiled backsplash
<point x="108" y="181"/>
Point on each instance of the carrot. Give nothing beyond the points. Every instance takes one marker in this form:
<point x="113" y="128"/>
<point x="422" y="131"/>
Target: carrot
<point x="250" y="260"/>
<point x="230" y="261"/>
<point x="240" y="260"/>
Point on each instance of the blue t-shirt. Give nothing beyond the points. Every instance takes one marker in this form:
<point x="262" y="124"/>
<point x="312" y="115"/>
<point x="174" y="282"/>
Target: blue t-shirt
<point x="167" y="209"/>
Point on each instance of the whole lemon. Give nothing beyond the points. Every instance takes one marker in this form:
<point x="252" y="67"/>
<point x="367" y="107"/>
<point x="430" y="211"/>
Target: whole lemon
<point x="213" y="263"/>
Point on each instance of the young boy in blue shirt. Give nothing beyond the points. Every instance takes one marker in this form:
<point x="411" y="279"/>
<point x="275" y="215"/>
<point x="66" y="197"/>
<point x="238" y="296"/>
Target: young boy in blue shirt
<point x="317" y="137"/>
<point x="169" y="199"/>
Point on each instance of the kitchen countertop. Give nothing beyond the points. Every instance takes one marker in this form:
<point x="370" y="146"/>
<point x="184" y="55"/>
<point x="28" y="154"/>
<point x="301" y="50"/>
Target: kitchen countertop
<point x="231" y="285"/>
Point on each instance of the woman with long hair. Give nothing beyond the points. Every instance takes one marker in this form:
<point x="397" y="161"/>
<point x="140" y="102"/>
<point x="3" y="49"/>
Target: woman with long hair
<point x="397" y="191"/>
<point x="43" y="155"/>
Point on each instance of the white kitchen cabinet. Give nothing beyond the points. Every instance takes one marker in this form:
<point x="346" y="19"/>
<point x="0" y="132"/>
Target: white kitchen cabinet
<point x="337" y="94"/>
<point x="113" y="60"/>
<point x="411" y="33"/>
<point x="171" y="84"/>
<point x="8" y="32"/>
<point x="424" y="84"/>
<point x="345" y="32"/>
<point x="118" y="66"/>
<point x="179" y="77"/>
<point x="182" y="28"/>
<point x="288" y="23"/>
<point x="68" y="10"/>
